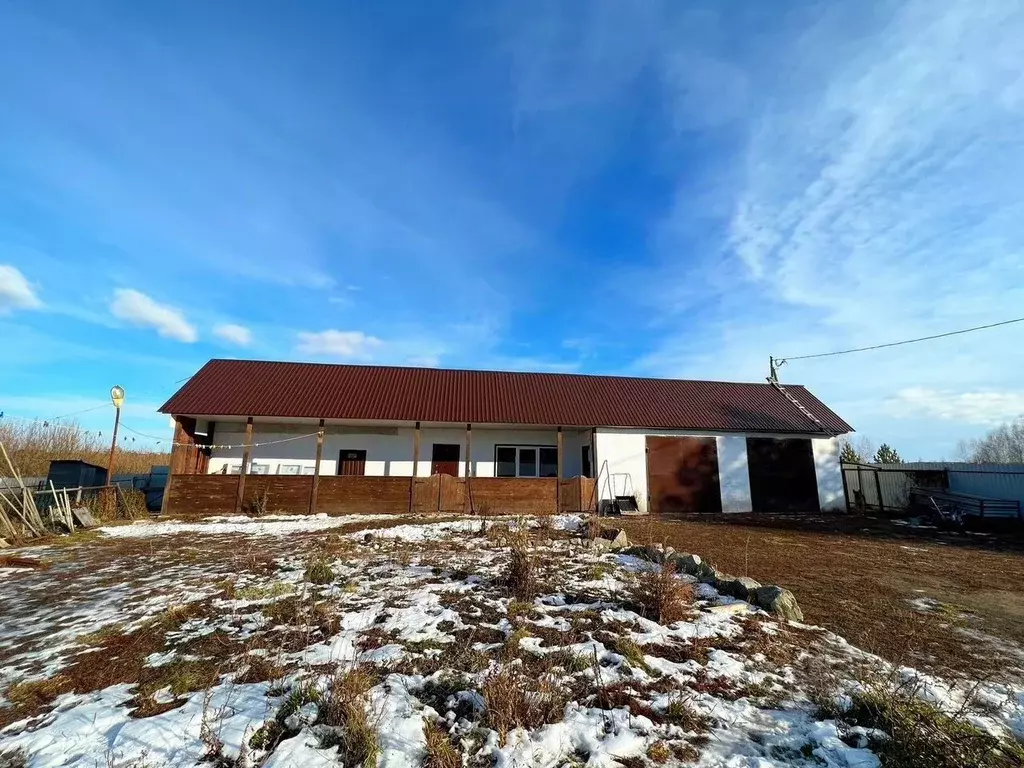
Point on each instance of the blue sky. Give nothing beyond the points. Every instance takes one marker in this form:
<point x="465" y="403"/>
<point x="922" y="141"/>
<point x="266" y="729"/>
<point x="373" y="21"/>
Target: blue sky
<point x="664" y="189"/>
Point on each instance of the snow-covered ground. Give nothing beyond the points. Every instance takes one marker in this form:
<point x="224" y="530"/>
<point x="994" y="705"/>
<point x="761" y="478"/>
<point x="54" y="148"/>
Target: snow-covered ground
<point x="272" y="641"/>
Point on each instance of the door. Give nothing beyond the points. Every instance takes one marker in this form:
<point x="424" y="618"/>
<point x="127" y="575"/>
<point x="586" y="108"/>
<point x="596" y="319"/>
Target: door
<point x="682" y="474"/>
<point x="444" y="459"/>
<point x="782" y="475"/>
<point x="352" y="463"/>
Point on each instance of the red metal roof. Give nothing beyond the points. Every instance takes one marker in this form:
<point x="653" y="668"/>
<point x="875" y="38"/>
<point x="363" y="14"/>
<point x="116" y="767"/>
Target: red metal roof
<point x="383" y="393"/>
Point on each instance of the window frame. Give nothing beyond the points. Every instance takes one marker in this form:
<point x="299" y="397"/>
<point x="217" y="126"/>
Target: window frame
<point x="537" y="463"/>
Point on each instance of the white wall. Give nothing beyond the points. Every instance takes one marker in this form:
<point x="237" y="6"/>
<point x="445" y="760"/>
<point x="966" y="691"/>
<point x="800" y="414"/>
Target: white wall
<point x="388" y="449"/>
<point x="626" y="454"/>
<point x="829" y="474"/>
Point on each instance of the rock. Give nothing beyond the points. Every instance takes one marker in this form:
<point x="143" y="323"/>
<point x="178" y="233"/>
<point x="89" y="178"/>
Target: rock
<point x="731" y="608"/>
<point x="705" y="574"/>
<point x="739" y="587"/>
<point x="779" y="601"/>
<point x="600" y="544"/>
<point x="687" y="563"/>
<point x="83" y="516"/>
<point x="616" y="537"/>
<point x="368" y="538"/>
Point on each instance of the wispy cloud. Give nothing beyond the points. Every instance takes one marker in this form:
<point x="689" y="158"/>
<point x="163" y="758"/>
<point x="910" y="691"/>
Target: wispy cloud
<point x="979" y="408"/>
<point x="15" y="291"/>
<point x="139" y="309"/>
<point x="233" y="334"/>
<point x="343" y="345"/>
<point x="873" y="202"/>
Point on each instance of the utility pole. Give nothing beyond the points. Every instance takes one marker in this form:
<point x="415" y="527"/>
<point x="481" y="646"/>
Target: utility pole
<point x="117" y="398"/>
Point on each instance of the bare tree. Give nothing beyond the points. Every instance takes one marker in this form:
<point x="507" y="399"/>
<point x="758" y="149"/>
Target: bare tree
<point x="1003" y="445"/>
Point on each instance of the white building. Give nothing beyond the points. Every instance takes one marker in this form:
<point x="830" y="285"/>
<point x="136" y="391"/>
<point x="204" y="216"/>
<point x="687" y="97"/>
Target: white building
<point x="672" y="445"/>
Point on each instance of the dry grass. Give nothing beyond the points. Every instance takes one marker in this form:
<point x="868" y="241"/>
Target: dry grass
<point x="856" y="577"/>
<point x="659" y="752"/>
<point x="515" y="700"/>
<point x="14" y="561"/>
<point x="33" y="446"/>
<point x="662" y="596"/>
<point x="521" y="575"/>
<point x="344" y="707"/>
<point x="441" y="751"/>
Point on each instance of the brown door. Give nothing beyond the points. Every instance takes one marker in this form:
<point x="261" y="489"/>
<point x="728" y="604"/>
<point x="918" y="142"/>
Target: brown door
<point x="352" y="463"/>
<point x="782" y="475"/>
<point x="445" y="459"/>
<point x="682" y="474"/>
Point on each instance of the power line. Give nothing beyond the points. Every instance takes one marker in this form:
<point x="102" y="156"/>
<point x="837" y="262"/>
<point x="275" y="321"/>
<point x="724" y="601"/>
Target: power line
<point x="907" y="341"/>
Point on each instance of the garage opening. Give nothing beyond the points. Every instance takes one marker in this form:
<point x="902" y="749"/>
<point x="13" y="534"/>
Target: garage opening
<point x="682" y="475"/>
<point x="782" y="475"/>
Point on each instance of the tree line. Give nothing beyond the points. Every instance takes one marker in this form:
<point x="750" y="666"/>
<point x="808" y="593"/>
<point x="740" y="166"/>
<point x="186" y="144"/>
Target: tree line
<point x="1002" y="445"/>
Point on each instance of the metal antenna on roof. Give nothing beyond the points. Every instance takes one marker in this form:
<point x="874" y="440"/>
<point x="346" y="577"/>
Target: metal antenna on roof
<point x="773" y="369"/>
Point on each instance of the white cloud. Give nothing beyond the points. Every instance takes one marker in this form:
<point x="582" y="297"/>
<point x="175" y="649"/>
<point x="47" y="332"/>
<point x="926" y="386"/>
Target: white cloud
<point x="340" y="344"/>
<point x="139" y="309"/>
<point x="234" y="334"/>
<point x="15" y="291"/>
<point x="981" y="408"/>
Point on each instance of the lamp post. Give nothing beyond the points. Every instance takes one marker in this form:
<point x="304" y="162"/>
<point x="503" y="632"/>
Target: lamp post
<point x="117" y="398"/>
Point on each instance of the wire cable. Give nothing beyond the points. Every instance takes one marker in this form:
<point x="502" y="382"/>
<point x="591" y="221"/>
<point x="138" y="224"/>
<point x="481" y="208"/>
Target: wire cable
<point x="218" y="445"/>
<point x="907" y="341"/>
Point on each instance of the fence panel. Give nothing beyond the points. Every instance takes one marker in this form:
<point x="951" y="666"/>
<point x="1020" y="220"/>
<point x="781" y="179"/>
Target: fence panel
<point x="202" y="495"/>
<point x="515" y="495"/>
<point x="353" y="495"/>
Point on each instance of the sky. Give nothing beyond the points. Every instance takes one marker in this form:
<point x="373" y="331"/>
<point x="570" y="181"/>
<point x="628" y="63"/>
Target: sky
<point x="645" y="188"/>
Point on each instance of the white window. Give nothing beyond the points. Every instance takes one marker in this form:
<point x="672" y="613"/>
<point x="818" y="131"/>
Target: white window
<point x="258" y="469"/>
<point x="289" y="469"/>
<point x="525" y="461"/>
<point x="308" y="470"/>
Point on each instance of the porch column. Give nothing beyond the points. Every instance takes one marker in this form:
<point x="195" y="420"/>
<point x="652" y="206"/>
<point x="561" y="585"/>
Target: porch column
<point x="416" y="450"/>
<point x="561" y="453"/>
<point x="174" y="462"/>
<point x="469" y="447"/>
<point x="246" y="453"/>
<point x="316" y="468"/>
<point x="593" y="453"/>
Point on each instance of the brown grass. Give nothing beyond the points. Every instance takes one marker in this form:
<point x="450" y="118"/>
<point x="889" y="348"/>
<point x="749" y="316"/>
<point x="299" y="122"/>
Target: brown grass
<point x="521" y="576"/>
<point x="14" y="561"/>
<point x="515" y="700"/>
<point x="855" y="576"/>
<point x="33" y="446"/>
<point x="345" y="706"/>
<point x="662" y="596"/>
<point x="441" y="752"/>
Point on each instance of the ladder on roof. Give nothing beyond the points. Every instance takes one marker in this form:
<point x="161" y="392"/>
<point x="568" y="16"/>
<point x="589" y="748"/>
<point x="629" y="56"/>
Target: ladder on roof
<point x="800" y="406"/>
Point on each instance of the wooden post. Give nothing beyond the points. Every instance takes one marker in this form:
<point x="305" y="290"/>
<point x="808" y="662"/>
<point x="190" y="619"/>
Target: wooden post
<point x="316" y="468"/>
<point x="846" y="489"/>
<point x="558" y="481"/>
<point x="246" y="452"/>
<point x="860" y="487"/>
<point x="416" y="450"/>
<point x="469" y="468"/>
<point x="593" y="454"/>
<point x="878" y="490"/>
<point x="175" y="462"/>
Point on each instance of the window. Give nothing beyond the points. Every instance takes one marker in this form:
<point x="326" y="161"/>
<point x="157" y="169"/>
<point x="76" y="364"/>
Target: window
<point x="289" y="469"/>
<point x="505" y="461"/>
<point x="525" y="461"/>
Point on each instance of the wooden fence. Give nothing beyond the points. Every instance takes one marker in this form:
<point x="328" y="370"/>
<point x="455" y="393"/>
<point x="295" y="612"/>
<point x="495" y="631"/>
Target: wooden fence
<point x="204" y="495"/>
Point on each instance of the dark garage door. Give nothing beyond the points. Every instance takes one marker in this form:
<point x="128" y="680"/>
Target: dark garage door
<point x="782" y="476"/>
<point x="682" y="474"/>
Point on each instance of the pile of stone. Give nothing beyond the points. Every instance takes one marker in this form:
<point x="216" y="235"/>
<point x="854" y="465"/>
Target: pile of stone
<point x="772" y="599"/>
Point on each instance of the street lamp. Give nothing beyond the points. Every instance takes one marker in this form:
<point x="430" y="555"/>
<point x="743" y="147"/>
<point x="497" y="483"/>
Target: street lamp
<point x="117" y="398"/>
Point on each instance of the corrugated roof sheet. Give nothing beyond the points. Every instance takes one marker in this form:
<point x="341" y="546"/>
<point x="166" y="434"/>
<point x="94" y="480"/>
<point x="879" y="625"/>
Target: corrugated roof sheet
<point x="383" y="393"/>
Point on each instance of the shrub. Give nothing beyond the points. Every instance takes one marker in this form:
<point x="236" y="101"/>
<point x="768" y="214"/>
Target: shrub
<point x="920" y="734"/>
<point x="521" y="576"/>
<point x="592" y="527"/>
<point x="661" y="595"/>
<point x="319" y="571"/>
<point x="260" y="503"/>
<point x="132" y="503"/>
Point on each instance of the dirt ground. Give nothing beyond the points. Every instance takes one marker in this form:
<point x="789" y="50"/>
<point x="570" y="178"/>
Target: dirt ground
<point x="948" y="602"/>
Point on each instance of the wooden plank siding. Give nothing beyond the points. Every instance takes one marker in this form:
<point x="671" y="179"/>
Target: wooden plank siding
<point x="359" y="494"/>
<point x="203" y="495"/>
